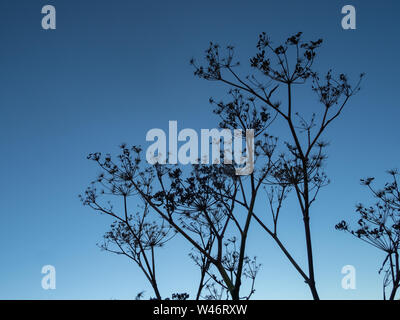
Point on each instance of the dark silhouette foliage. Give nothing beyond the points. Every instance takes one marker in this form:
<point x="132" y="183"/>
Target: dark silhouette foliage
<point x="210" y="206"/>
<point x="298" y="167"/>
<point x="379" y="226"/>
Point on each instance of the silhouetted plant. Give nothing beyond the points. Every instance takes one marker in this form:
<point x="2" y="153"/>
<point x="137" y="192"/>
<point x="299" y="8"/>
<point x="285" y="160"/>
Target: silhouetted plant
<point x="180" y="296"/>
<point x="139" y="296"/>
<point x="379" y="226"/>
<point x="199" y="205"/>
<point x="212" y="207"/>
<point x="215" y="286"/>
<point x="299" y="167"/>
<point x="135" y="236"/>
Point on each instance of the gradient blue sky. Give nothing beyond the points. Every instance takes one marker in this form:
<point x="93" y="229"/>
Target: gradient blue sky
<point x="111" y="71"/>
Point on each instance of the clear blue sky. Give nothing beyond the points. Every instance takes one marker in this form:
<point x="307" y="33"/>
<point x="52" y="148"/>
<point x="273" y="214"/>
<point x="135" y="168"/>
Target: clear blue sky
<point x="111" y="71"/>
